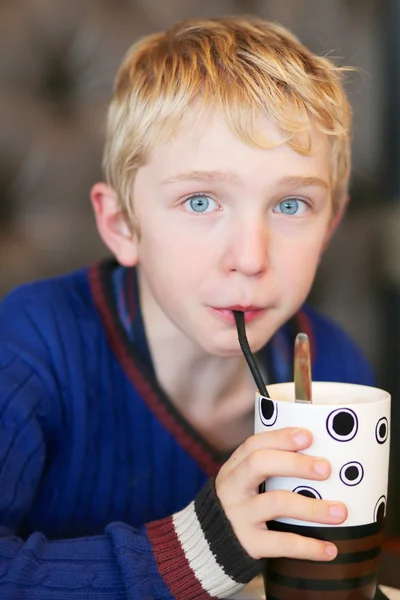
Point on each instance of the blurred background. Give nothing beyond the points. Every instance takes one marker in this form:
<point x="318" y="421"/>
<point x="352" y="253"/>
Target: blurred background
<point x="58" y="59"/>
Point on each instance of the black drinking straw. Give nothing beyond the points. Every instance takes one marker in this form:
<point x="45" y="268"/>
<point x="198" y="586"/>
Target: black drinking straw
<point x="251" y="361"/>
<point x="262" y="388"/>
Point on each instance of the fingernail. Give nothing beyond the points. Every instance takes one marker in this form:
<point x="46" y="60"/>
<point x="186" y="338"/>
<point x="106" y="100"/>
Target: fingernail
<point x="335" y="510"/>
<point x="331" y="550"/>
<point x="321" y="467"/>
<point x="301" y="437"/>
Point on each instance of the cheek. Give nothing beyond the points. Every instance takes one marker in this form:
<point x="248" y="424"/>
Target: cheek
<point x="298" y="268"/>
<point x="172" y="262"/>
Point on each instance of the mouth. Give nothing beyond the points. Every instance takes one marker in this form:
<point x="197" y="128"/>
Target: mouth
<point x="250" y="313"/>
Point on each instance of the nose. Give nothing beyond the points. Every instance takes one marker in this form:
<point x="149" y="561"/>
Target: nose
<point x="248" y="246"/>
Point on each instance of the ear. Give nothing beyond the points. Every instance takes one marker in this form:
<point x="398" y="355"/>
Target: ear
<point x="112" y="225"/>
<point x="335" y="222"/>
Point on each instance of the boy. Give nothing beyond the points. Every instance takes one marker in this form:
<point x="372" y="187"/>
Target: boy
<point x="128" y="465"/>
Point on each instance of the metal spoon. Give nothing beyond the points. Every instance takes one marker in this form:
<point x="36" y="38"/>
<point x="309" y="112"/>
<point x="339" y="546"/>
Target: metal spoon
<point x="302" y="369"/>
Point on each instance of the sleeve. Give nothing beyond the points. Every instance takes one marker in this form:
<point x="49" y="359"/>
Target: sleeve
<point x="193" y="554"/>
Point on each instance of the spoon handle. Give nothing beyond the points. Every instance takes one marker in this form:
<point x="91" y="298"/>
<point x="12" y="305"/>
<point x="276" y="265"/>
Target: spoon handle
<point x="302" y="369"/>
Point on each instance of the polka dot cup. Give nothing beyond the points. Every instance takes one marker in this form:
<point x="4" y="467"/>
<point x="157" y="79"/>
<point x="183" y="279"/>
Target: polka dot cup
<point x="351" y="428"/>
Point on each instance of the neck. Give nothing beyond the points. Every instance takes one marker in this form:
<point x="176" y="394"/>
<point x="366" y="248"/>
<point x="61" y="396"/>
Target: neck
<point x="189" y="376"/>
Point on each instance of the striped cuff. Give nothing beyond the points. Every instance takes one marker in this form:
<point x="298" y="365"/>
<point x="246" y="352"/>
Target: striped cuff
<point x="198" y="553"/>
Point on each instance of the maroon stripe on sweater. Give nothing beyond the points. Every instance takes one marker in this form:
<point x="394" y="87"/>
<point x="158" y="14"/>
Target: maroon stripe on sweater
<point x="165" y="413"/>
<point x="172" y="563"/>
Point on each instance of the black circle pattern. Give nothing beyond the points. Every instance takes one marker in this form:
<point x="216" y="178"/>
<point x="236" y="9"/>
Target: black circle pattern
<point x="380" y="510"/>
<point x="342" y="424"/>
<point x="352" y="473"/>
<point x="308" y="492"/>
<point x="268" y="410"/>
<point x="382" y="430"/>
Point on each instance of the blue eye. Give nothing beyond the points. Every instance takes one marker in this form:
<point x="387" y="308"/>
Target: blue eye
<point x="200" y="203"/>
<point x="291" y="206"/>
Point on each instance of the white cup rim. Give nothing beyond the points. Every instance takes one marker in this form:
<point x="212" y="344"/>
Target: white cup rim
<point x="373" y="395"/>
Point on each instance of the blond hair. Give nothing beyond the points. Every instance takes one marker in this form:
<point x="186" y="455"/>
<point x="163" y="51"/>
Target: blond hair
<point x="243" y="67"/>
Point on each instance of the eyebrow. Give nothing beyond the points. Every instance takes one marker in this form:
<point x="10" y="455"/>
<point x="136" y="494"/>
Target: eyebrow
<point x="208" y="176"/>
<point x="294" y="181"/>
<point x="229" y="177"/>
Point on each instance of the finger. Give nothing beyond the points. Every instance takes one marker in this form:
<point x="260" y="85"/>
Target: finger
<point x="276" y="544"/>
<point x="261" y="464"/>
<point x="289" y="438"/>
<point x="279" y="504"/>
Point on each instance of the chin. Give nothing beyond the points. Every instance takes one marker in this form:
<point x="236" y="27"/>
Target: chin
<point x="227" y="344"/>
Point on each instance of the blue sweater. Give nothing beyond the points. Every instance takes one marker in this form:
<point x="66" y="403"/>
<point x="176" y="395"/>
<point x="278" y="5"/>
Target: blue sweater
<point x="105" y="491"/>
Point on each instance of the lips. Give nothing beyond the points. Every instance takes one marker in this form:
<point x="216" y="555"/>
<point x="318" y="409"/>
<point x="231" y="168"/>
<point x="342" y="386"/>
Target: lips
<point x="250" y="312"/>
<point x="241" y="307"/>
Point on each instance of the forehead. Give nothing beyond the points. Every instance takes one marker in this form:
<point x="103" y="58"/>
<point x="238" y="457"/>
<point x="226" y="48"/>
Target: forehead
<point x="204" y="141"/>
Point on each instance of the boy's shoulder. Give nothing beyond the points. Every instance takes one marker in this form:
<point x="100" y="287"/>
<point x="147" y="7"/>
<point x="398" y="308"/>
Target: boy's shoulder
<point x="36" y="317"/>
<point x="336" y="356"/>
<point x="52" y="293"/>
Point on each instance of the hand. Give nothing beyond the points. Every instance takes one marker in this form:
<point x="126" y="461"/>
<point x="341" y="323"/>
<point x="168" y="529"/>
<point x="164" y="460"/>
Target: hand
<point x="275" y="454"/>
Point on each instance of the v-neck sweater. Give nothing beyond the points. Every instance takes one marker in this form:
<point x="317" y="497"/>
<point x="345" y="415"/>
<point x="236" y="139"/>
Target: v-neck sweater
<point x="106" y="492"/>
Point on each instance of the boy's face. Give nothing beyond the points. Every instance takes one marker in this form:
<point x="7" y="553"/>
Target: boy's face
<point x="225" y="225"/>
